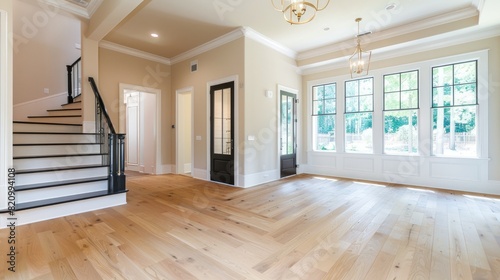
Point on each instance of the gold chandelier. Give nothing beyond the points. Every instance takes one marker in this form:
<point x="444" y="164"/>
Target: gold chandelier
<point x="299" y="12"/>
<point x="359" y="62"/>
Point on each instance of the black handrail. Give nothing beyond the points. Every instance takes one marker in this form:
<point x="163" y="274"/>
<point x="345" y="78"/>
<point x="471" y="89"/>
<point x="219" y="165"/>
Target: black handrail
<point x="74" y="82"/>
<point x="112" y="144"/>
<point x="101" y="104"/>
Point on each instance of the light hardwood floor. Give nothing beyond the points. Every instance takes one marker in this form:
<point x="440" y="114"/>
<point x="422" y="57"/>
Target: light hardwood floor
<point x="305" y="227"/>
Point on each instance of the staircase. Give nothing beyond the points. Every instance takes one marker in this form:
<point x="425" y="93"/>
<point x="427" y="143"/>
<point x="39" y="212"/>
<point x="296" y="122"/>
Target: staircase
<point x="60" y="170"/>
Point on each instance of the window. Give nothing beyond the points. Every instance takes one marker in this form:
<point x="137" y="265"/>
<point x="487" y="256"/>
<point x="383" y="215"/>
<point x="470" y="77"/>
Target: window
<point x="359" y="115"/>
<point x="454" y="109"/>
<point x="401" y="113"/>
<point x="324" y="100"/>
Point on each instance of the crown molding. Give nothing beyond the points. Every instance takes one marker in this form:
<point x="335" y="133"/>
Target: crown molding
<point x="251" y="33"/>
<point x="421" y="45"/>
<point x="394" y="32"/>
<point x="85" y="12"/>
<point x="133" y="52"/>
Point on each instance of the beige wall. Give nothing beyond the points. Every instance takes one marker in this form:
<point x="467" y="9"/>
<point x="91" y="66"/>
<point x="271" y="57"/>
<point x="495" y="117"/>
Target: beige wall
<point x="265" y="69"/>
<point x="116" y="68"/>
<point x="44" y="43"/>
<point x="213" y="65"/>
<point x="493" y="44"/>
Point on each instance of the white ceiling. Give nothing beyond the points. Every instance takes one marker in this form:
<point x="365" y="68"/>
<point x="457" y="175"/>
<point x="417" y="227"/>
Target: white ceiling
<point x="185" y="24"/>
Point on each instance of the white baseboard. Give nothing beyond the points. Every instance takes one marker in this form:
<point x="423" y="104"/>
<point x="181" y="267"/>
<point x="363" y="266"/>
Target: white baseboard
<point x="38" y="106"/>
<point x="201" y="174"/>
<point x="251" y="180"/>
<point x="60" y="210"/>
<point x="165" y="169"/>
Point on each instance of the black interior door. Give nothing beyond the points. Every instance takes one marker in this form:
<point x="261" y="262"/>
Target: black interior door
<point x="288" y="128"/>
<point x="222" y="133"/>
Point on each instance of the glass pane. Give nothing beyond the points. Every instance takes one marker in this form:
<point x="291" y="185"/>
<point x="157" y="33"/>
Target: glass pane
<point x="351" y="104"/>
<point x="465" y="94"/>
<point x="330" y="91"/>
<point x="366" y="103"/>
<point x="318" y="92"/>
<point x="400" y="132"/>
<point x="442" y="76"/>
<point x="391" y="101"/>
<point x="218" y="126"/>
<point x="454" y="131"/>
<point x="391" y="83"/>
<point x="366" y="86"/>
<point x="290" y="148"/>
<point x="324" y="133"/>
<point x="330" y="106"/>
<point x="465" y="73"/>
<point x="351" y="88"/>
<point x="441" y="96"/>
<point x="409" y="80"/>
<point x="318" y="107"/>
<point x="409" y="99"/>
<point x="226" y="103"/>
<point x="358" y="133"/>
<point x="226" y="140"/>
<point x="284" y="124"/>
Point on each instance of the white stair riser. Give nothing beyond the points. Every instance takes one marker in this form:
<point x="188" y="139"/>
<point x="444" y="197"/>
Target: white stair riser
<point x="29" y="127"/>
<point x="36" y="163"/>
<point x="66" y="190"/>
<point x="20" y="151"/>
<point x="54" y="176"/>
<point x="71" y="120"/>
<point x="54" y="138"/>
<point x="65" y="113"/>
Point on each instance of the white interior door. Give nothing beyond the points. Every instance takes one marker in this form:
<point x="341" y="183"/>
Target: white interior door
<point x="184" y="132"/>
<point x="132" y="133"/>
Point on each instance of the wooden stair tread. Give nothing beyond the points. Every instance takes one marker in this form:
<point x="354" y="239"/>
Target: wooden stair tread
<point x="53" y="144"/>
<point x="60" y="183"/>
<point x="63" y="110"/>
<point x="66" y="155"/>
<point x="40" y="170"/>
<point x="77" y="101"/>
<point x="64" y="199"/>
<point x="48" y="123"/>
<point x="62" y="116"/>
<point x="56" y="133"/>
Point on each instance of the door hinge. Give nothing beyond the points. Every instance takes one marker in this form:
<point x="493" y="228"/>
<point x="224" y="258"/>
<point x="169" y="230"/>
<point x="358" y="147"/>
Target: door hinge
<point x="296" y="101"/>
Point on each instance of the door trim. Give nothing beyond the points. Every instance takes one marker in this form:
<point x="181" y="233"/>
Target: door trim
<point x="295" y="92"/>
<point x="228" y="79"/>
<point x="122" y="113"/>
<point x="177" y="93"/>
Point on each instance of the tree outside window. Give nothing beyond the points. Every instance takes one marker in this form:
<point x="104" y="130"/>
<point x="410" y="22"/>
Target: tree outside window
<point x="359" y="116"/>
<point x="454" y="109"/>
<point x="401" y="97"/>
<point x="324" y="101"/>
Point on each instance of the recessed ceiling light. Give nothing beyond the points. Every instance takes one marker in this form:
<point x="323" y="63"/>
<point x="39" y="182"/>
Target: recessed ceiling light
<point x="154" y="35"/>
<point x="326" y="28"/>
<point x="390" y="6"/>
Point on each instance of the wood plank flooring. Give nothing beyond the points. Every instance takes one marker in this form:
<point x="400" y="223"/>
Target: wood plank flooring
<point x="304" y="227"/>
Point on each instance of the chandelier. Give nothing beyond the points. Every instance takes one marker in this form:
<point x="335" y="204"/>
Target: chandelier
<point x="359" y="62"/>
<point x="299" y="12"/>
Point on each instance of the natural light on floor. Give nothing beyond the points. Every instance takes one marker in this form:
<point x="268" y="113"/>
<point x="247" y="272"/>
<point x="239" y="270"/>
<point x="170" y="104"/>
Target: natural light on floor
<point x="370" y="184"/>
<point x="421" y="190"/>
<point x="324" y="178"/>
<point x="482" y="197"/>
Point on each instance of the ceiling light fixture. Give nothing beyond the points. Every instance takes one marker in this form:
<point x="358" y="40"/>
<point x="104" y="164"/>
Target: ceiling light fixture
<point x="294" y="11"/>
<point x="359" y="62"/>
<point x="154" y="35"/>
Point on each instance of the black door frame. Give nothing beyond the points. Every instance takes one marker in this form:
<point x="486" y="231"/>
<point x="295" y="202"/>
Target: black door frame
<point x="222" y="167"/>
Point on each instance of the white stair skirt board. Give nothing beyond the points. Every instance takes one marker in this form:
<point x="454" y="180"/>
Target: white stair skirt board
<point x="54" y="162"/>
<point x="42" y="150"/>
<point x="60" y="191"/>
<point x="66" y="119"/>
<point x="39" y="106"/>
<point x="54" y="138"/>
<point x="30" y="127"/>
<point x="64" y="209"/>
<point x="54" y="176"/>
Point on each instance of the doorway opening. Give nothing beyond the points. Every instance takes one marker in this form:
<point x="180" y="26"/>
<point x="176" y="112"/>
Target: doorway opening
<point x="184" y="132"/>
<point x="288" y="132"/>
<point x="139" y="115"/>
